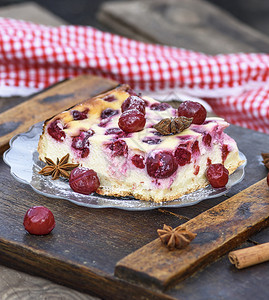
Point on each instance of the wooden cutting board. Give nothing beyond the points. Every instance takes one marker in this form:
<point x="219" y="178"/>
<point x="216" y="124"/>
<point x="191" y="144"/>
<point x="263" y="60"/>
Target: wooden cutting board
<point x="218" y="230"/>
<point x="48" y="103"/>
<point x="114" y="253"/>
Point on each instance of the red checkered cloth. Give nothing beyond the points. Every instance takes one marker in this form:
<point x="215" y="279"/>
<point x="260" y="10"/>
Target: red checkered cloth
<point x="36" y="56"/>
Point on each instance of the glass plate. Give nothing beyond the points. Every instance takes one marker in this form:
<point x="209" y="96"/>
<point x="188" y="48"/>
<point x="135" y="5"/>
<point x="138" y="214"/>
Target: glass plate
<point x="22" y="157"/>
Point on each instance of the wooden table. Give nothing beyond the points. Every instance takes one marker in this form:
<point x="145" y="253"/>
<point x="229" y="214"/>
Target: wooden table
<point x="105" y="236"/>
<point x="87" y="243"/>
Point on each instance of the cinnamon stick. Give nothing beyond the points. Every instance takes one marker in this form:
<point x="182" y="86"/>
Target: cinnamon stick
<point x="249" y="256"/>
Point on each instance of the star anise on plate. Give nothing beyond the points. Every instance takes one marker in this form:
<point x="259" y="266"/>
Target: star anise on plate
<point x="176" y="238"/>
<point x="265" y="157"/>
<point x="60" y="168"/>
<point x="173" y="125"/>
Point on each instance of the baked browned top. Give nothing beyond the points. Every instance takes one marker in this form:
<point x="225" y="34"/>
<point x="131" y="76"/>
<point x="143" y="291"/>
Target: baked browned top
<point x="95" y="105"/>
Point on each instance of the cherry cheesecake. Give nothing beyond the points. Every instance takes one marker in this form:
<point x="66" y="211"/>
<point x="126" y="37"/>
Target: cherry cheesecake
<point x="140" y="147"/>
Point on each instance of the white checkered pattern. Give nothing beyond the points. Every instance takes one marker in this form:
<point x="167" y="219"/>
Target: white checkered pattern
<point x="36" y="56"/>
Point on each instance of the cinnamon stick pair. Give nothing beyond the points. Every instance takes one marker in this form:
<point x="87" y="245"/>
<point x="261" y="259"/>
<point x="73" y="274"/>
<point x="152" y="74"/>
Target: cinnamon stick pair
<point x="249" y="256"/>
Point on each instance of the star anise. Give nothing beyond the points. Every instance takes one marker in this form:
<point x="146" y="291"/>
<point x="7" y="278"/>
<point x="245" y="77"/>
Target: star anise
<point x="173" y="125"/>
<point x="265" y="157"/>
<point x="176" y="238"/>
<point x="61" y="167"/>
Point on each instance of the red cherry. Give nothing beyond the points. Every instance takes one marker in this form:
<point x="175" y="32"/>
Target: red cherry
<point x="160" y="106"/>
<point x="217" y="175"/>
<point x="195" y="148"/>
<point x="132" y="121"/>
<point x="55" y="130"/>
<point x="109" y="112"/>
<point x="39" y="220"/>
<point x="182" y="156"/>
<point x="191" y="109"/>
<point x="80" y="115"/>
<point x="207" y="139"/>
<point x="268" y="179"/>
<point x="82" y="143"/>
<point x="138" y="161"/>
<point x="119" y="148"/>
<point x="110" y="98"/>
<point x="160" y="164"/>
<point x="114" y="130"/>
<point x="133" y="102"/>
<point x="84" y="181"/>
<point x="224" y="152"/>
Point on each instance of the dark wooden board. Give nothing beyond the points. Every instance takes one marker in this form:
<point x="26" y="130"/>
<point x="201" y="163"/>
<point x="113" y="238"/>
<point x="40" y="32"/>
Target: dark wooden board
<point x="86" y="244"/>
<point x="218" y="230"/>
<point x="191" y="24"/>
<point x="48" y="103"/>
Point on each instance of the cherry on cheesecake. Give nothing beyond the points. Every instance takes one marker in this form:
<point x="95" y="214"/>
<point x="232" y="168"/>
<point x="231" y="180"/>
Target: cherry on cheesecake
<point x="217" y="175"/>
<point x="84" y="181"/>
<point x="191" y="109"/>
<point x="132" y="120"/>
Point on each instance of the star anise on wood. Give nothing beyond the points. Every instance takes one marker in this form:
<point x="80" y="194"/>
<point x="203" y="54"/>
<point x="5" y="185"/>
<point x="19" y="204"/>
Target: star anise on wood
<point x="173" y="125"/>
<point x="61" y="167"/>
<point x="176" y="238"/>
<point x="265" y="157"/>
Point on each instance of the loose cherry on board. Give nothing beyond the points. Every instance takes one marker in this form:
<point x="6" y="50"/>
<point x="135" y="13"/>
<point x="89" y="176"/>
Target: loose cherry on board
<point x="217" y="175"/>
<point x="84" y="181"/>
<point x="39" y="220"/>
<point x="191" y="109"/>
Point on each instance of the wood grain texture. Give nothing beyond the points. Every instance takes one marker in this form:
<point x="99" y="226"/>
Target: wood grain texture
<point x="86" y="244"/>
<point x="48" y="103"/>
<point x="218" y="230"/>
<point x="86" y="226"/>
<point x="221" y="280"/>
<point x="77" y="276"/>
<point x="16" y="285"/>
<point x="82" y="250"/>
<point x="7" y="103"/>
<point x="191" y="24"/>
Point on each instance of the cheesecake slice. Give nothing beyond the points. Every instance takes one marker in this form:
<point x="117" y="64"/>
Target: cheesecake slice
<point x="115" y="135"/>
